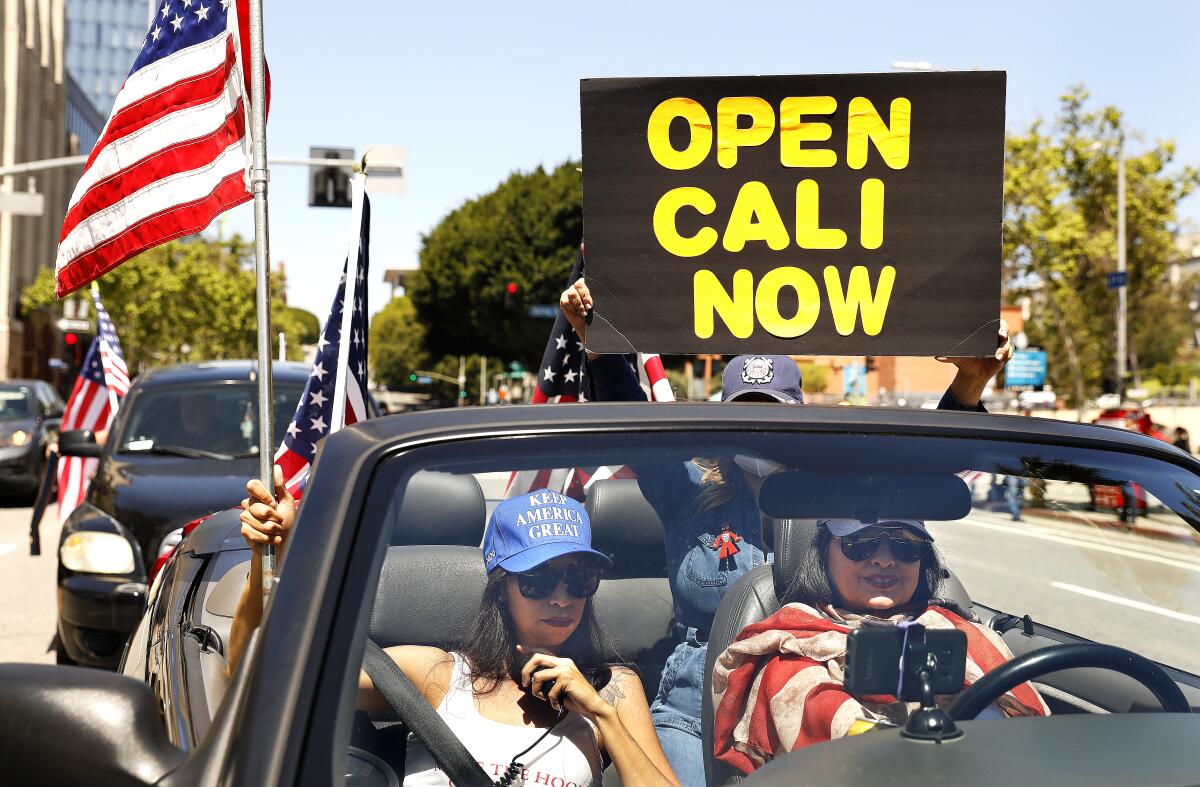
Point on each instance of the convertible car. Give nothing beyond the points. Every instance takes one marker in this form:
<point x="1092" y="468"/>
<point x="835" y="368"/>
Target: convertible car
<point x="1102" y="619"/>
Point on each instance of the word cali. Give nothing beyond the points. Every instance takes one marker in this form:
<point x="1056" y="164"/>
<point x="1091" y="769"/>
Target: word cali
<point x="746" y="122"/>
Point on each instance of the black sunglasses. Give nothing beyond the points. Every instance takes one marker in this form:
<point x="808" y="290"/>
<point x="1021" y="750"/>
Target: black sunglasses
<point x="583" y="581"/>
<point x="904" y="547"/>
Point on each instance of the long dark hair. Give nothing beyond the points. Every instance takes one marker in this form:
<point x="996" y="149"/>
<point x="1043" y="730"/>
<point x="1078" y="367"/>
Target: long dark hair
<point x="813" y="586"/>
<point x="492" y="653"/>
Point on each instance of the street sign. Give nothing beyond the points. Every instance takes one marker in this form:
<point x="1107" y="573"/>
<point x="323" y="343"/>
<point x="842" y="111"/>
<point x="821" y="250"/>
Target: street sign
<point x="543" y="311"/>
<point x="22" y="203"/>
<point x="65" y="325"/>
<point x="1118" y="279"/>
<point x="1027" y="368"/>
<point x="421" y="380"/>
<point x="56" y="363"/>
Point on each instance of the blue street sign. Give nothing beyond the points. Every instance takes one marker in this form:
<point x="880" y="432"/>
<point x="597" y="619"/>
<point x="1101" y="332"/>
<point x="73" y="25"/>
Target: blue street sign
<point x="423" y="380"/>
<point x="854" y="379"/>
<point x="544" y="311"/>
<point x="1118" y="279"/>
<point x="1027" y="368"/>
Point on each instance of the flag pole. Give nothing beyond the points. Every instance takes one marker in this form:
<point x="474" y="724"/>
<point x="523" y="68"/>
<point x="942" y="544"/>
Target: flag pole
<point x="259" y="176"/>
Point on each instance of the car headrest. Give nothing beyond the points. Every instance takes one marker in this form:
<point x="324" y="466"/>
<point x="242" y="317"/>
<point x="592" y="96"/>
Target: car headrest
<point x="427" y="595"/>
<point x="438" y="508"/>
<point x="626" y="528"/>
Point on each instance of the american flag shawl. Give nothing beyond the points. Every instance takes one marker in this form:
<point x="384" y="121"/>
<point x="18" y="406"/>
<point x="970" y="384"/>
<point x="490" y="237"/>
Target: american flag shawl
<point x="560" y="379"/>
<point x="176" y="150"/>
<point x="101" y="385"/>
<point x="336" y="392"/>
<point x="779" y="686"/>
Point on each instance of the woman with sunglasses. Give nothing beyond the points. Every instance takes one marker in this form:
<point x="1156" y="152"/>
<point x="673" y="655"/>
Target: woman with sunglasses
<point x="854" y="574"/>
<point x="534" y="684"/>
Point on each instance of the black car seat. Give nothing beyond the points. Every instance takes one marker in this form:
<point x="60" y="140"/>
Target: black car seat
<point x="634" y="602"/>
<point x="438" y="508"/>
<point x="757" y="595"/>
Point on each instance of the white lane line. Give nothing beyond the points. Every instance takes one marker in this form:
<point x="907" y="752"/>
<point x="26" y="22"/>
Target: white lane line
<point x="1122" y="552"/>
<point x="6" y="548"/>
<point x="1097" y="535"/>
<point x="1169" y="613"/>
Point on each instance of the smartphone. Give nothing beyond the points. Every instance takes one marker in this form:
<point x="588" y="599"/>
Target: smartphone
<point x="873" y="661"/>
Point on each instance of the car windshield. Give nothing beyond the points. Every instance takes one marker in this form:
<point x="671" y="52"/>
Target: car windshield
<point x="16" y="402"/>
<point x="218" y="419"/>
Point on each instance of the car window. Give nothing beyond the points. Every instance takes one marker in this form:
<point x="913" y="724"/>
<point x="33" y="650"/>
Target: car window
<point x="48" y="400"/>
<point x="214" y="417"/>
<point x="1087" y="544"/>
<point x="16" y="402"/>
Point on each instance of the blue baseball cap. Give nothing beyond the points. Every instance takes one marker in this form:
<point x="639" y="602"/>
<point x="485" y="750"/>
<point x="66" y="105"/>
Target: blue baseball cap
<point x="527" y="530"/>
<point x="848" y="527"/>
<point x="776" y="376"/>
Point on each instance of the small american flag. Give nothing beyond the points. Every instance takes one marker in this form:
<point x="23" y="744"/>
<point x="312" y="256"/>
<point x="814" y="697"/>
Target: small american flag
<point x="322" y="410"/>
<point x="92" y="405"/>
<point x="176" y="151"/>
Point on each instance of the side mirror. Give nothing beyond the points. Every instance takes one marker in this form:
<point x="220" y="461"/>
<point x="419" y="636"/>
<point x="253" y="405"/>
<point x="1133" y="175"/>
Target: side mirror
<point x="79" y="442"/>
<point x="74" y="725"/>
<point x="55" y="413"/>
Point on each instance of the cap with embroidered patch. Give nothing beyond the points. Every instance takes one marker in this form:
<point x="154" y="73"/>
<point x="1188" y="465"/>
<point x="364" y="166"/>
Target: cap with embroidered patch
<point x="776" y="376"/>
<point x="527" y="530"/>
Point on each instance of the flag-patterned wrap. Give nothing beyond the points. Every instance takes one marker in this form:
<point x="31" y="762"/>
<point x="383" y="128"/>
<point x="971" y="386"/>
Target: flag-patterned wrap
<point x="317" y="414"/>
<point x="176" y="151"/>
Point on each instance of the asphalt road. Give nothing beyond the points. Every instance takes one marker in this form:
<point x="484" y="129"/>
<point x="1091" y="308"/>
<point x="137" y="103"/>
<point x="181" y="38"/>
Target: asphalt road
<point x="1121" y="588"/>
<point x="27" y="605"/>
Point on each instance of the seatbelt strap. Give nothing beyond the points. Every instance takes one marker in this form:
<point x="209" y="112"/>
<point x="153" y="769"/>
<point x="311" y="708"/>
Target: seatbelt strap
<point x="422" y="720"/>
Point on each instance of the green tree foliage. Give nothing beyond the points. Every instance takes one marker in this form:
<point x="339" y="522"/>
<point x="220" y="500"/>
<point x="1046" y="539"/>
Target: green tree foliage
<point x="1060" y="222"/>
<point x="187" y="300"/>
<point x="527" y="232"/>
<point x="396" y="346"/>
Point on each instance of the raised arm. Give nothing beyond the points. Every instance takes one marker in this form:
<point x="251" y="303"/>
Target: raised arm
<point x="973" y="374"/>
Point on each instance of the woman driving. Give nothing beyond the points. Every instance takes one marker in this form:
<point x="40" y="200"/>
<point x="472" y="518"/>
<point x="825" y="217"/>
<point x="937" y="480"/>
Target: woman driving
<point x="779" y="686"/>
<point x="531" y="676"/>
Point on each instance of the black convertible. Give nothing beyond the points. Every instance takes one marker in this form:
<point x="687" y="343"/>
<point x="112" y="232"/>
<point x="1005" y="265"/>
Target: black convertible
<point x="386" y="548"/>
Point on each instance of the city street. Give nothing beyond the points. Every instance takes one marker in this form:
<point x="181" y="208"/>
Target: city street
<point x="27" y="605"/>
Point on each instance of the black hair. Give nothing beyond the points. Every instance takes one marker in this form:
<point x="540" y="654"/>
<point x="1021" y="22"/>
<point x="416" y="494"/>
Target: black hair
<point x="812" y="584"/>
<point x="490" y="649"/>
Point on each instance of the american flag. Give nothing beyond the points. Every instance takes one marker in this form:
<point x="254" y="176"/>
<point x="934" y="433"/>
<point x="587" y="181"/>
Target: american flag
<point x="176" y="151"/>
<point x="322" y="410"/>
<point x="560" y="379"/>
<point x="92" y="405"/>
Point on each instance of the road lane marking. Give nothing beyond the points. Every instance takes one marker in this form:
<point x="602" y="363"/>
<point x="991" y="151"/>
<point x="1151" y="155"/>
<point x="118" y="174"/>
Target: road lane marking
<point x="1127" y="602"/>
<point x="6" y="548"/>
<point x="1126" y="553"/>
<point x="1097" y="535"/>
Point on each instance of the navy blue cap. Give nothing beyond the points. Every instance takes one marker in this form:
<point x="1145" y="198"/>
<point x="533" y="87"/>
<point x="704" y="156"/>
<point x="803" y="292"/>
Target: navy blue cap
<point x="776" y="376"/>
<point x="848" y="527"/>
<point x="527" y="530"/>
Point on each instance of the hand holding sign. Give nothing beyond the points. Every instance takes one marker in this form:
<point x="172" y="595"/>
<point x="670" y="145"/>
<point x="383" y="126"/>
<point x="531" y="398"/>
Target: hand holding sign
<point x="576" y="302"/>
<point x="974" y="373"/>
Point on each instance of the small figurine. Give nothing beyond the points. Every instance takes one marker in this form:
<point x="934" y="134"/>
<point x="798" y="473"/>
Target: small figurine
<point x="725" y="545"/>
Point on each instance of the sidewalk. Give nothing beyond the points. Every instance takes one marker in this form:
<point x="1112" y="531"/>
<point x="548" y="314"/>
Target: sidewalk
<point x="1149" y="525"/>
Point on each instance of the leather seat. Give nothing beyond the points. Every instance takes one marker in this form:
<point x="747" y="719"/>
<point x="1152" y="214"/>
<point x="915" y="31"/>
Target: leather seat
<point x="757" y="595"/>
<point x="438" y="508"/>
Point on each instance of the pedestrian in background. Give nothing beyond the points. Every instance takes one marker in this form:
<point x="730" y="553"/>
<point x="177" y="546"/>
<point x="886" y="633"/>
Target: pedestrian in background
<point x="1014" y="495"/>
<point x="1182" y="440"/>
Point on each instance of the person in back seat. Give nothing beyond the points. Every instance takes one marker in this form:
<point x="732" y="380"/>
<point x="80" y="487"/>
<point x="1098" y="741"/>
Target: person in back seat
<point x="525" y="679"/>
<point x="696" y="500"/>
<point x="854" y="574"/>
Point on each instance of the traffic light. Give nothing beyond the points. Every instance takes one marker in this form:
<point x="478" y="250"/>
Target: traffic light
<point x="329" y="186"/>
<point x="412" y="378"/>
<point x="70" y="338"/>
<point x="510" y="292"/>
<point x="870" y="364"/>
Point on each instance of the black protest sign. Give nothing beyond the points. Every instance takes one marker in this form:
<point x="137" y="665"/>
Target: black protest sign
<point x="841" y="214"/>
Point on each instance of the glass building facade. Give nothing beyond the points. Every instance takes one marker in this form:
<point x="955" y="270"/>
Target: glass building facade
<point x="103" y="39"/>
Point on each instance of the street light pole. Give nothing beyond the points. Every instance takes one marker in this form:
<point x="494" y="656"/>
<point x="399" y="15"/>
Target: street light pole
<point x="1121" y="294"/>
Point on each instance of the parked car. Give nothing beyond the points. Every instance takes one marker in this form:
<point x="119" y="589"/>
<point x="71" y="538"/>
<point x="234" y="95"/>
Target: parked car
<point x="182" y="446"/>
<point x="386" y="548"/>
<point x="30" y="414"/>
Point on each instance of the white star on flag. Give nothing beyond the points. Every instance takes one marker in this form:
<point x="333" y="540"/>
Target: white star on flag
<point x="570" y="376"/>
<point x="318" y="398"/>
<point x="201" y="13"/>
<point x="156" y="32"/>
<point x="318" y="371"/>
<point x="549" y="375"/>
<point x="166" y="10"/>
<point x="176" y="23"/>
<point x="561" y="342"/>
<point x="293" y="430"/>
<point x="318" y="424"/>
<point x="321" y="342"/>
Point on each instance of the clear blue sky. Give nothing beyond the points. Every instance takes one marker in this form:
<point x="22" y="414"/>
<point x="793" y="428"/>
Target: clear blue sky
<point x="477" y="90"/>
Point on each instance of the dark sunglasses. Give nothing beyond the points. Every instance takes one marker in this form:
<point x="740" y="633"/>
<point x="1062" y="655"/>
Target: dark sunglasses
<point x="904" y="546"/>
<point x="582" y="580"/>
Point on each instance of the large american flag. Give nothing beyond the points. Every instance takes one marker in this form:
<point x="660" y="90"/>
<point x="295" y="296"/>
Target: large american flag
<point x="322" y="410"/>
<point x="92" y="405"/>
<point x="560" y="379"/>
<point x="176" y="151"/>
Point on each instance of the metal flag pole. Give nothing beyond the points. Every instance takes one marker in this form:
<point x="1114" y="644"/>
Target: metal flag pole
<point x="259" y="176"/>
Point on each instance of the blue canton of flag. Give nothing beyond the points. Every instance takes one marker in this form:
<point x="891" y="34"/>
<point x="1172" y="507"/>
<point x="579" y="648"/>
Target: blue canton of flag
<point x="560" y="377"/>
<point x="112" y="359"/>
<point x="315" y="415"/>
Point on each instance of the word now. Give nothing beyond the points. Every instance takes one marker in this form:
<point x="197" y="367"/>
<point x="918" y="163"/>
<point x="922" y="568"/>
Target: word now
<point x="747" y="302"/>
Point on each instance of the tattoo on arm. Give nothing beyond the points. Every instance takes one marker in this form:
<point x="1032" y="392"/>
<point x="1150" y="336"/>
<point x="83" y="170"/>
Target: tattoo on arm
<point x="612" y="693"/>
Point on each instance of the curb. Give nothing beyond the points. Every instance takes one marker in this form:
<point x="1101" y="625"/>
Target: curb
<point x="1147" y="530"/>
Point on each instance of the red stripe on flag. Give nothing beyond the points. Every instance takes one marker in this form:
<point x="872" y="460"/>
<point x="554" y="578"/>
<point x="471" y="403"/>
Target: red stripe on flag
<point x="189" y="218"/>
<point x="183" y="157"/>
<point x="654" y="369"/>
<point x="538" y="397"/>
<point x="190" y="92"/>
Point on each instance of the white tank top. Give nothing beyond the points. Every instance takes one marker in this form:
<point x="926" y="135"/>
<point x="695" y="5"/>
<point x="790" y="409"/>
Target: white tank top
<point x="568" y="757"/>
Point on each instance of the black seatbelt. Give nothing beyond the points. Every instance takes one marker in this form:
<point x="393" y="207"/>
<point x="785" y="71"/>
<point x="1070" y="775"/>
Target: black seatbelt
<point x="415" y="711"/>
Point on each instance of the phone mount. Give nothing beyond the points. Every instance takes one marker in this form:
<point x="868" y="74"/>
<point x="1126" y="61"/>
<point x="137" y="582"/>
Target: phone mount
<point x="929" y="722"/>
<point x="925" y="667"/>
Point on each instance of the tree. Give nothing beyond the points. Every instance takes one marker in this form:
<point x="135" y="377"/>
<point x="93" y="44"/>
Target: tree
<point x="396" y="346"/>
<point x="187" y="300"/>
<point x="526" y="233"/>
<point x="1060" y="219"/>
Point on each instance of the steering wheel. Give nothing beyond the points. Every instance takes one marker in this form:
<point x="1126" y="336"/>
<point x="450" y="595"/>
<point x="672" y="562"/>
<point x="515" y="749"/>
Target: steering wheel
<point x="993" y="685"/>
